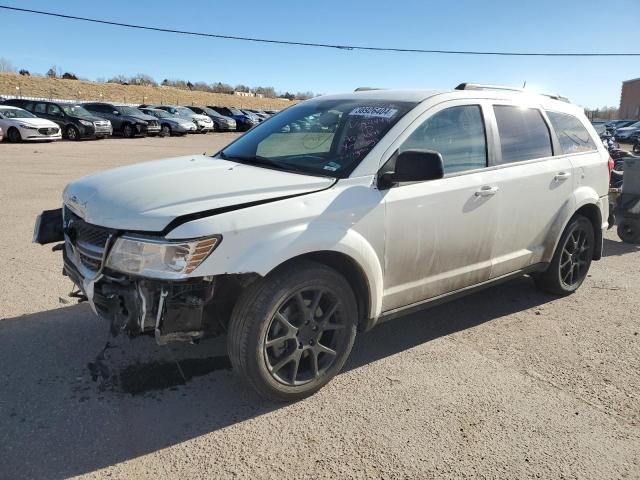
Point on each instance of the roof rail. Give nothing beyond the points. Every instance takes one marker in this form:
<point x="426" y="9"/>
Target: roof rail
<point x="366" y="89"/>
<point x="481" y="86"/>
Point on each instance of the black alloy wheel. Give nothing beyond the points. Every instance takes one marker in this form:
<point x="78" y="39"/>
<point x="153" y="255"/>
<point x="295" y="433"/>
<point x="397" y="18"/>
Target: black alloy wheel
<point x="571" y="260"/>
<point x="304" y="336"/>
<point x="292" y="331"/>
<point x="629" y="231"/>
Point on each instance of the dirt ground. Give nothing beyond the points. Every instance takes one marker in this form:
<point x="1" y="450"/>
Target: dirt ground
<point x="507" y="383"/>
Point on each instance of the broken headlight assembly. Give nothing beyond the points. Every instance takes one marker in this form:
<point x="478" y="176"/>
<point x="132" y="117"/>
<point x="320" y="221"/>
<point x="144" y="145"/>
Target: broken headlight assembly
<point x="157" y="258"/>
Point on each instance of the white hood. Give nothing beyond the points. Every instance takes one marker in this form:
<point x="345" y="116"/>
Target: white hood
<point x="36" y="122"/>
<point x="147" y="196"/>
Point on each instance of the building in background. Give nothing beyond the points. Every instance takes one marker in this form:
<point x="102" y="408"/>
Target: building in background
<point x="630" y="99"/>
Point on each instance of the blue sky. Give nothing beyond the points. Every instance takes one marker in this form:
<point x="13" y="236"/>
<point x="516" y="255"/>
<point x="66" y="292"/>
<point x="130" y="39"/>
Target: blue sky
<point x="93" y="51"/>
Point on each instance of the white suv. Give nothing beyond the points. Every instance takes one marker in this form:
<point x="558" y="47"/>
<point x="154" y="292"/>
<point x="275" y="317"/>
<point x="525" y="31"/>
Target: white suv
<point x="289" y="240"/>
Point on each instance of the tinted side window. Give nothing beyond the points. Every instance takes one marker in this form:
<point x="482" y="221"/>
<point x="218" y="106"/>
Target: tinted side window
<point x="523" y="134"/>
<point x="457" y="133"/>
<point x="54" y="110"/>
<point x="571" y="133"/>
<point x="40" y="108"/>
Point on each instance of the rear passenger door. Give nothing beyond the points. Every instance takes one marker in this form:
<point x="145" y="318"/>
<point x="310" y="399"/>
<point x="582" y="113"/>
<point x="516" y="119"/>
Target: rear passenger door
<point x="535" y="188"/>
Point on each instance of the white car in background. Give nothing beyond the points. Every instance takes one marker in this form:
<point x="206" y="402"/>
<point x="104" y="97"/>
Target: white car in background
<point x="19" y="125"/>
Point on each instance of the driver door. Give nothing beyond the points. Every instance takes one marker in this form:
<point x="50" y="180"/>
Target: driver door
<point x="440" y="234"/>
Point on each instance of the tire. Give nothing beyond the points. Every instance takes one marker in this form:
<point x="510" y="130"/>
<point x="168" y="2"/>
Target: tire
<point x="282" y="348"/>
<point x="72" y="133"/>
<point x="165" y="130"/>
<point x="13" y="134"/>
<point x="636" y="148"/>
<point x="629" y="231"/>
<point x="128" y="131"/>
<point x="216" y="128"/>
<point x="571" y="260"/>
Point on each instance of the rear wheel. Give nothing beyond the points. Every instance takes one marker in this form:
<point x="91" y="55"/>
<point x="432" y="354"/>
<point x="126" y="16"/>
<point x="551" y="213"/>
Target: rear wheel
<point x="14" y="135"/>
<point x="571" y="260"/>
<point x="72" y="133"/>
<point x="165" y="130"/>
<point x="291" y="332"/>
<point x="629" y="231"/>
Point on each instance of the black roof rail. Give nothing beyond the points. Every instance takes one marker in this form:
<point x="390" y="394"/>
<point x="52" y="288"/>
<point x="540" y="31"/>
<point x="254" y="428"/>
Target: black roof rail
<point x="482" y="86"/>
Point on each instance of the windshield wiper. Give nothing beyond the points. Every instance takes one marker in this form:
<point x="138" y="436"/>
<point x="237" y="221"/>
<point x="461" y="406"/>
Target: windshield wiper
<point x="269" y="163"/>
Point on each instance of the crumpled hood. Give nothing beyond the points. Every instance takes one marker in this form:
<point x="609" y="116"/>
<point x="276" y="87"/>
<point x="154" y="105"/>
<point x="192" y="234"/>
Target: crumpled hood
<point x="147" y="196"/>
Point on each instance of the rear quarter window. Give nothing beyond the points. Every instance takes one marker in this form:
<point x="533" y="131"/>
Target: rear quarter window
<point x="571" y="133"/>
<point x="524" y="134"/>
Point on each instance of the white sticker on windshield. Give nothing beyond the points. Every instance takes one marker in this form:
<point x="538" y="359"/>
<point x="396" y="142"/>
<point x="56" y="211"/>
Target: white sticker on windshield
<point x="380" y="112"/>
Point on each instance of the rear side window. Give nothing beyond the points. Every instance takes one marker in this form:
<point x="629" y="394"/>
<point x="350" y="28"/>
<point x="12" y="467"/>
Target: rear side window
<point x="571" y="133"/>
<point x="523" y="134"/>
<point x="40" y="108"/>
<point x="457" y="133"/>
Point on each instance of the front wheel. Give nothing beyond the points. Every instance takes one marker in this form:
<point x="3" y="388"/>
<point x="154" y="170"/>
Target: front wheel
<point x="72" y="133"/>
<point x="128" y="131"/>
<point x="14" y="135"/>
<point x="165" y="130"/>
<point x="571" y="260"/>
<point x="292" y="331"/>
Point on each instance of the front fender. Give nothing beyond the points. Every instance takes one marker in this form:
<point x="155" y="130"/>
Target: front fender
<point x="287" y="244"/>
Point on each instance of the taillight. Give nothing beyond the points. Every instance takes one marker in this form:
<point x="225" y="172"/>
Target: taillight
<point x="611" y="166"/>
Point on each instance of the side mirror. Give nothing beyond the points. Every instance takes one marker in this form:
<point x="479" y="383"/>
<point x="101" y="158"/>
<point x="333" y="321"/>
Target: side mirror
<point x="414" y="166"/>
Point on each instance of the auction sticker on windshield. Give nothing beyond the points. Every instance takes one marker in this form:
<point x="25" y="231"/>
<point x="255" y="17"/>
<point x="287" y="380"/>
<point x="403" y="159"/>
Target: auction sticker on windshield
<point x="380" y="112"/>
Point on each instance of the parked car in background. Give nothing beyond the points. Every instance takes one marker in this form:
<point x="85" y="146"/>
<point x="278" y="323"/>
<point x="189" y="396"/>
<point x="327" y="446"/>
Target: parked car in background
<point x="204" y="123"/>
<point x="220" y="122"/>
<point x="625" y="134"/>
<point x="21" y="125"/>
<point x="170" y="124"/>
<point x="243" y="121"/>
<point x="257" y="119"/>
<point x="74" y="121"/>
<point x="259" y="113"/>
<point x="615" y="124"/>
<point x="126" y="121"/>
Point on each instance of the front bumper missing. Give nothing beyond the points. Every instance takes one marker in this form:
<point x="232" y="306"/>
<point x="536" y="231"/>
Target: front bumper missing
<point x="169" y="310"/>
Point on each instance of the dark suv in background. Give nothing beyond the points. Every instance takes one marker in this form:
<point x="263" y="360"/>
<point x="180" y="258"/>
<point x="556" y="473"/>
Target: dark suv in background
<point x="75" y="122"/>
<point x="127" y="121"/>
<point x="243" y="122"/>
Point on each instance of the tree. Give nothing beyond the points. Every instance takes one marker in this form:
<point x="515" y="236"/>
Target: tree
<point x="53" y="72"/>
<point x="242" y="88"/>
<point x="288" y="96"/>
<point x="222" y="88"/>
<point x="143" y="79"/>
<point x="69" y="76"/>
<point x="24" y="72"/>
<point x="304" y="95"/>
<point x="267" y="92"/>
<point x="121" y="79"/>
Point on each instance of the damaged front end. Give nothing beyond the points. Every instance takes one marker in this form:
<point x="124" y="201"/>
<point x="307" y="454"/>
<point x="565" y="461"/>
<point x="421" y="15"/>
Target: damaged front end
<point x="181" y="309"/>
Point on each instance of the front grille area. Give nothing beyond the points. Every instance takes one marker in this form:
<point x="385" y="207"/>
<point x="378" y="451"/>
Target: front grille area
<point x="89" y="241"/>
<point x="153" y="123"/>
<point x="48" y="131"/>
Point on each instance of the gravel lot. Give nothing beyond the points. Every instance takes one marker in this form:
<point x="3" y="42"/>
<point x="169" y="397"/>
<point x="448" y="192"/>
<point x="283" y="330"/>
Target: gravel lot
<point x="507" y="383"/>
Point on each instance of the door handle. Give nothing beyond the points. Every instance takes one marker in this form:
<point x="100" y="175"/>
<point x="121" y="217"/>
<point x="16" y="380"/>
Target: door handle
<point x="487" y="191"/>
<point x="561" y="176"/>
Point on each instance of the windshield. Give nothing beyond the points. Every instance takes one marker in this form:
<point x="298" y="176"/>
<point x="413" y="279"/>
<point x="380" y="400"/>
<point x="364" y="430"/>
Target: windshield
<point x="158" y="113"/>
<point x="322" y="137"/>
<point x="128" y="110"/>
<point x="76" y="111"/>
<point x="16" y="113"/>
<point x="211" y="112"/>
<point x="185" y="111"/>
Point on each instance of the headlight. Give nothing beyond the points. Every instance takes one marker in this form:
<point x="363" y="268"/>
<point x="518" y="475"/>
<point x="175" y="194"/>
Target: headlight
<point x="28" y="127"/>
<point x="163" y="259"/>
<point x="86" y="123"/>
